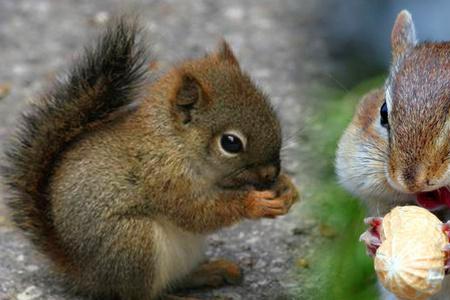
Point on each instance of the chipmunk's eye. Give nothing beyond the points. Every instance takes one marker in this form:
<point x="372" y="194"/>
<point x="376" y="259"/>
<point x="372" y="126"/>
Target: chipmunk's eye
<point x="384" y="115"/>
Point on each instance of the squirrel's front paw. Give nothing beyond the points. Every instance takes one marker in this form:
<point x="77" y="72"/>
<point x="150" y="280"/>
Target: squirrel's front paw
<point x="272" y="203"/>
<point x="286" y="190"/>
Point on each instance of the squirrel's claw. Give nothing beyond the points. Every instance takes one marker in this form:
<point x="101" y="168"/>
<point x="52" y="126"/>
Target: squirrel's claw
<point x="260" y="207"/>
<point x="373" y="221"/>
<point x="446" y="230"/>
<point x="447" y="258"/>
<point x="372" y="236"/>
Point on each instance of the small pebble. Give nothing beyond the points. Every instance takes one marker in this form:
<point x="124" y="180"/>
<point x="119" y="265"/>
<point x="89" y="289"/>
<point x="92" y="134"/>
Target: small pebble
<point x="247" y="261"/>
<point x="302" y="263"/>
<point x="216" y="243"/>
<point x="276" y="270"/>
<point x="263" y="282"/>
<point x="32" y="268"/>
<point x="278" y="262"/>
<point x="5" y="89"/>
<point x="298" y="231"/>
<point x="260" y="264"/>
<point x="31" y="292"/>
<point x="327" y="231"/>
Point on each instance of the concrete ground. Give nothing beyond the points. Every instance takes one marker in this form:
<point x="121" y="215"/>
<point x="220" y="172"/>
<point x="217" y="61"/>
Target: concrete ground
<point x="275" y="41"/>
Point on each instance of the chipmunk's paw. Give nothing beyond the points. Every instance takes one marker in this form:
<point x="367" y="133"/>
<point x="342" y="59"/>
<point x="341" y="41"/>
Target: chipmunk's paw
<point x="446" y="230"/>
<point x="372" y="237"/>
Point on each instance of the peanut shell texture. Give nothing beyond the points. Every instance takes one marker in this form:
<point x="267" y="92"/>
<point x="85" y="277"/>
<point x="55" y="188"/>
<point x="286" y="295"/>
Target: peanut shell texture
<point x="410" y="262"/>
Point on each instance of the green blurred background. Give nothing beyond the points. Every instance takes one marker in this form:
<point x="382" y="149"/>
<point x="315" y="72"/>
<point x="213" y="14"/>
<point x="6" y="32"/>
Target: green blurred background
<point x="339" y="267"/>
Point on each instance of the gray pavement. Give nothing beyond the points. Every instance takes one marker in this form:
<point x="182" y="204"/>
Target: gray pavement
<point x="275" y="41"/>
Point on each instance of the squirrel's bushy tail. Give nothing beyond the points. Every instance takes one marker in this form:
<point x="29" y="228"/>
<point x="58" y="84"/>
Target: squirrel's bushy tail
<point x="106" y="78"/>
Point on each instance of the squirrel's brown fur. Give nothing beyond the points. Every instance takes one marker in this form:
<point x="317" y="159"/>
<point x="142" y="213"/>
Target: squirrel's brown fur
<point x="118" y="181"/>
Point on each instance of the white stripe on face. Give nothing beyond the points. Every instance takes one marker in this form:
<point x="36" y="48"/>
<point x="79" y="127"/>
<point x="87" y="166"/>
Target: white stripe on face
<point x="388" y="97"/>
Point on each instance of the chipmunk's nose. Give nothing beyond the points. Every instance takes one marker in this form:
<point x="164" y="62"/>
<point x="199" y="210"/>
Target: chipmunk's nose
<point x="415" y="179"/>
<point x="409" y="178"/>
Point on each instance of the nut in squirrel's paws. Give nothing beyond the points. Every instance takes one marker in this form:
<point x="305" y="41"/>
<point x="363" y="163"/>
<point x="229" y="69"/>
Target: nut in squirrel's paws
<point x="271" y="203"/>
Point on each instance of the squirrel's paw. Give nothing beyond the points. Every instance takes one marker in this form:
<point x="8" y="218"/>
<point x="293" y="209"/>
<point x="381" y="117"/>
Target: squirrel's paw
<point x="272" y="203"/>
<point x="446" y="230"/>
<point x="286" y="190"/>
<point x="215" y="273"/>
<point x="260" y="204"/>
<point x="372" y="237"/>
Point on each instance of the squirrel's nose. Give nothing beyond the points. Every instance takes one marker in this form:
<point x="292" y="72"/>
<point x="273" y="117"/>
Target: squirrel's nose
<point x="268" y="174"/>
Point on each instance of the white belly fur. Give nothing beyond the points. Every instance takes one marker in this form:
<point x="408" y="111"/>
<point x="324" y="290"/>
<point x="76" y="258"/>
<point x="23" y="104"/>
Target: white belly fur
<point x="177" y="253"/>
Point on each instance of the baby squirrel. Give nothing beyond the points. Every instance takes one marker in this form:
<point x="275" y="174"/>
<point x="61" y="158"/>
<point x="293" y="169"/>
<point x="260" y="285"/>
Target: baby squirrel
<point x="118" y="181"/>
<point x="396" y="150"/>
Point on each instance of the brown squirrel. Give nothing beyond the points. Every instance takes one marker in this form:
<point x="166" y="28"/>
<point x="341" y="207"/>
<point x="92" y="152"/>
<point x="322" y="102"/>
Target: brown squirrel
<point x="118" y="180"/>
<point x="396" y="149"/>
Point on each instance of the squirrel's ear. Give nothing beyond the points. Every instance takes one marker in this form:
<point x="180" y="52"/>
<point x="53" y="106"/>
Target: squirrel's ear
<point x="189" y="95"/>
<point x="225" y="53"/>
<point x="403" y="36"/>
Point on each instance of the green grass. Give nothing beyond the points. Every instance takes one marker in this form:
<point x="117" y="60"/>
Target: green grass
<point x="339" y="264"/>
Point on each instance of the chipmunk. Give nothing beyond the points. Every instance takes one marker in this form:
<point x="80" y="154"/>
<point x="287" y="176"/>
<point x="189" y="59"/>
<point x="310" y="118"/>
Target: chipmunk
<point x="118" y="180"/>
<point x="396" y="151"/>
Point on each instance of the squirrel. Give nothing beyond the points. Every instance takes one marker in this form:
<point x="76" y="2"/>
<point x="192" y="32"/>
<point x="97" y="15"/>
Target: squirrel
<point x="118" y="179"/>
<point x="396" y="149"/>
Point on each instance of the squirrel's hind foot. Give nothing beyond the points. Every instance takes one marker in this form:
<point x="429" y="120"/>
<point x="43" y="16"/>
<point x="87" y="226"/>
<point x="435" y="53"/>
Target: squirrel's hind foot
<point x="213" y="274"/>
<point x="172" y="297"/>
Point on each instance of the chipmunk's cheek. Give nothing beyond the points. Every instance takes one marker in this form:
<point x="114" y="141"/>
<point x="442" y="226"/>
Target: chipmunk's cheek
<point x="393" y="178"/>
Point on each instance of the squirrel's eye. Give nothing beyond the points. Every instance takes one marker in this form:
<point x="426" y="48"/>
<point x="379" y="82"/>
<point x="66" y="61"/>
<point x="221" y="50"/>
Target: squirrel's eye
<point x="384" y="115"/>
<point x="231" y="143"/>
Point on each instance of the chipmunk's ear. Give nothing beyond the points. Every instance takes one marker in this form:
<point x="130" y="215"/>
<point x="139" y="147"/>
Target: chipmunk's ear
<point x="225" y="53"/>
<point x="403" y="36"/>
<point x="189" y="95"/>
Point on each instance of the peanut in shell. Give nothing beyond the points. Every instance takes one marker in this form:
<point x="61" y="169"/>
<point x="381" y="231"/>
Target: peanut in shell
<point x="410" y="261"/>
